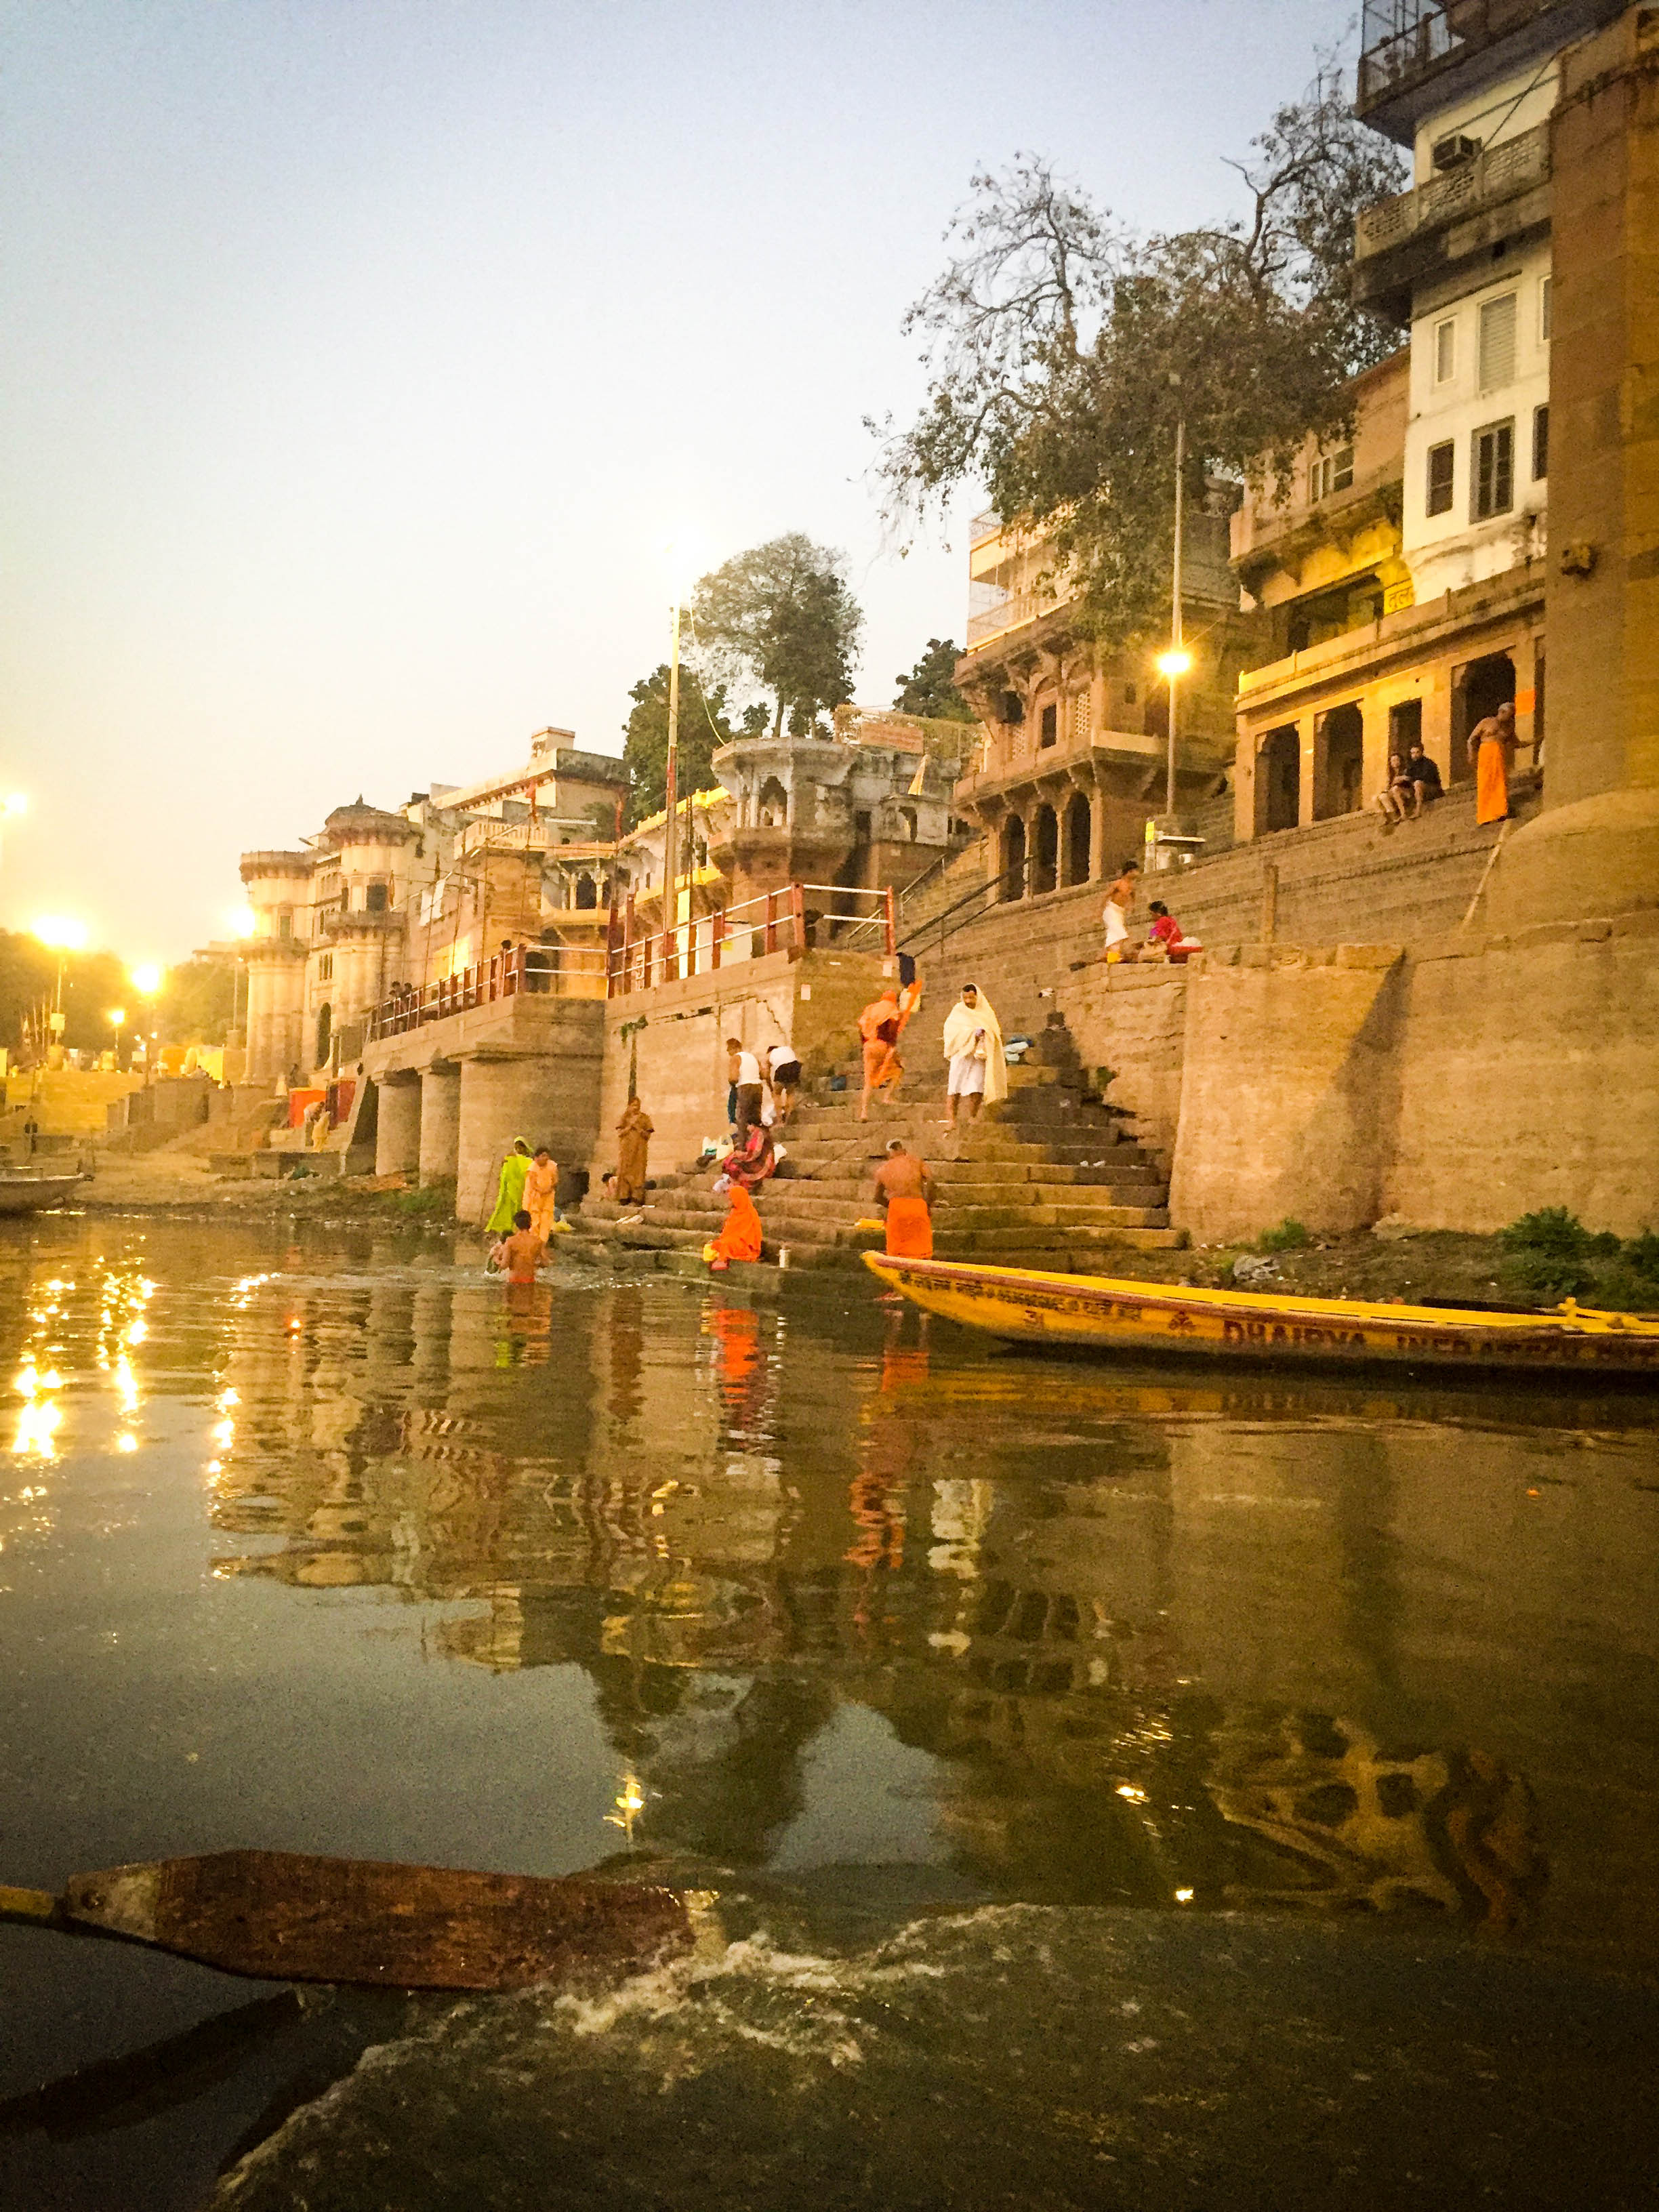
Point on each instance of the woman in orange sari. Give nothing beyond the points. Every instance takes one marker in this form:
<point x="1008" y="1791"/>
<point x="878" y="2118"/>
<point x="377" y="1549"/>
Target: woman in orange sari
<point x="741" y="1239"/>
<point x="541" y="1187"/>
<point x="1491" y="750"/>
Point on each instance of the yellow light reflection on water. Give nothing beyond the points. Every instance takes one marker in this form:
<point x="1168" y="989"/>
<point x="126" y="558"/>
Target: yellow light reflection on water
<point x="630" y="1803"/>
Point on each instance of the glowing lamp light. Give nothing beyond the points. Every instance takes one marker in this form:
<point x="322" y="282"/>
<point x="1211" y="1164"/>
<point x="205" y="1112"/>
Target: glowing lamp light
<point x="61" y="932"/>
<point x="116" y="1016"/>
<point x="684" y="559"/>
<point x="146" y="979"/>
<point x="1176" y="662"/>
<point x="15" y="802"/>
<point x="240" y="921"/>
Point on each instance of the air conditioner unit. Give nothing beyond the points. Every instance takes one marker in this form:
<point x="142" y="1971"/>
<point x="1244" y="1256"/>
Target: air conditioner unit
<point x="1452" y="153"/>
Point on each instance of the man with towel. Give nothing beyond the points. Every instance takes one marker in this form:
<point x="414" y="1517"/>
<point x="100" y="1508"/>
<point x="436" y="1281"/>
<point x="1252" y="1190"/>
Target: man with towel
<point x="973" y="1046"/>
<point x="904" y="1192"/>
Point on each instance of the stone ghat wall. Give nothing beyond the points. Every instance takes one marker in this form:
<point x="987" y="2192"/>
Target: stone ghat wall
<point x="1457" y="1085"/>
<point x="1459" y="1081"/>
<point x="680" y="1049"/>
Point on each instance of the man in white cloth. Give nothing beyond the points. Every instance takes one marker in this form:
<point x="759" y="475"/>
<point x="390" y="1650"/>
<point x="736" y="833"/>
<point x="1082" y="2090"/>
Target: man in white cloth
<point x="973" y="1045"/>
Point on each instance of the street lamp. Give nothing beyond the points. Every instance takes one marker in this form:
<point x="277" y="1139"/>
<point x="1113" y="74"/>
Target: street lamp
<point x="1174" y="664"/>
<point x="116" y="1016"/>
<point x="63" y="935"/>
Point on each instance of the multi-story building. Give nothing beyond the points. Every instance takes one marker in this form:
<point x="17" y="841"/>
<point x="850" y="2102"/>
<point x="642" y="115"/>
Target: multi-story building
<point x="382" y="902"/>
<point x="1445" y="617"/>
<point x="1072" y="761"/>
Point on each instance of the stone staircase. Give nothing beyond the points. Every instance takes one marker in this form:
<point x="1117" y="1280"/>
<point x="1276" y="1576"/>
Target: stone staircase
<point x="1045" y="1179"/>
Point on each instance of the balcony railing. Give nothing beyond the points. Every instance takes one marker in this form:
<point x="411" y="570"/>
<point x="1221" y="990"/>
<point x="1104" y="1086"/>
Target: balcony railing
<point x="1513" y="166"/>
<point x="1404" y="40"/>
<point x="1011" y="613"/>
<point x="789" y="920"/>
<point x="984" y="526"/>
<point x="565" y="971"/>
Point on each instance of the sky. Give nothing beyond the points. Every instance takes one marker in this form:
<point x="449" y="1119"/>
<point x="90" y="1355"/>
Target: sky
<point x="360" y="358"/>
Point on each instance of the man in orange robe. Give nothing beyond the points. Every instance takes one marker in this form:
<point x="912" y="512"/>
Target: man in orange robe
<point x="1491" y="750"/>
<point x="878" y="1032"/>
<point x="904" y="1191"/>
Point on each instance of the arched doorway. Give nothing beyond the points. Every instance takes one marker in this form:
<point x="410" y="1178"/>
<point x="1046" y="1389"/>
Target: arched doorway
<point x="1338" y="762"/>
<point x="1013" y="858"/>
<point x="1277" y="781"/>
<point x="325" y="1035"/>
<point x="774" y="805"/>
<point x="1045" y="851"/>
<point x="1479" y="689"/>
<point x="1075" y="853"/>
<point x="588" y="892"/>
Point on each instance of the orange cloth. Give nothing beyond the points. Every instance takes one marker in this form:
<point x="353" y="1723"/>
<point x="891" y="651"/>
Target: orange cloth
<point x="540" y="1187"/>
<point x="1492" y="781"/>
<point x="909" y="1229"/>
<point x="881" y="1065"/>
<point x="741" y="1239"/>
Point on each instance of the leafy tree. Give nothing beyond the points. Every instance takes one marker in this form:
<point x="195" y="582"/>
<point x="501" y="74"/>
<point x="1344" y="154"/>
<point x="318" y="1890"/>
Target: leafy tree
<point x="704" y="727"/>
<point x="195" y="1002"/>
<point x="1063" y="349"/>
<point x="782" y="619"/>
<point x="93" y="983"/>
<point x="930" y="689"/>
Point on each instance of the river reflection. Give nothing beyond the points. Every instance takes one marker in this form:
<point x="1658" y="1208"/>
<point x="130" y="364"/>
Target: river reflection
<point x="1061" y="1634"/>
<point x="338" y="1547"/>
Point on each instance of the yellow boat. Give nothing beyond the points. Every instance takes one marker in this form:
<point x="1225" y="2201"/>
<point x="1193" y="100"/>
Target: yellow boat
<point x="1102" y="1313"/>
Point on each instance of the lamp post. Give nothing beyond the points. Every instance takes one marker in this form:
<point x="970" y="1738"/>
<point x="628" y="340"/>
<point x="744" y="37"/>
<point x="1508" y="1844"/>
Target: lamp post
<point x="671" y="830"/>
<point x="116" y="1016"/>
<point x="1174" y="664"/>
<point x="146" y="980"/>
<point x="63" y="936"/>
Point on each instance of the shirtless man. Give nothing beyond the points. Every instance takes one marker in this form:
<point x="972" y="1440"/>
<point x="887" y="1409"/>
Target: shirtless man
<point x="519" y="1255"/>
<point x="904" y="1192"/>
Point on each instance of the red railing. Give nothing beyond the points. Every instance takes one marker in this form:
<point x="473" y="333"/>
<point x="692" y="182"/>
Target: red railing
<point x="789" y="920"/>
<point x="561" y="970"/>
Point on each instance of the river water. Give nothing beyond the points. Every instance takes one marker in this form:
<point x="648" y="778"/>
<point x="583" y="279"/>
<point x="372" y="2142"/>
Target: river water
<point x="1114" y="1786"/>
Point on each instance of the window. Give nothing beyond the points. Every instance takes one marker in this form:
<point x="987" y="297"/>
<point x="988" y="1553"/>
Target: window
<point x="1331" y="472"/>
<point x="285" y="922"/>
<point x="1445" y="350"/>
<point x="1050" y="732"/>
<point x="1083" y="716"/>
<point x="1540" y="443"/>
<point x="375" y="900"/>
<point x="1544" y="297"/>
<point x="1493" y="473"/>
<point x="1497" y="342"/>
<point x="1442" y="465"/>
<point x="1129" y="695"/>
<point x="324" y="967"/>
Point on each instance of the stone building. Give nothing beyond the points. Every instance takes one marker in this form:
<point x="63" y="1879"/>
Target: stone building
<point x="380" y="899"/>
<point x="1073" y="741"/>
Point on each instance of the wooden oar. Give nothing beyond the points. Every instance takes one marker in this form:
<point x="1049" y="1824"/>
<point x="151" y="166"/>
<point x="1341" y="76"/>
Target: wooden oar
<point x="286" y="1917"/>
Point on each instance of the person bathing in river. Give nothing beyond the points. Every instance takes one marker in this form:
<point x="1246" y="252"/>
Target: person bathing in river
<point x="904" y="1192"/>
<point x="521" y="1252"/>
<point x="509" y="1189"/>
<point x="973" y="1046"/>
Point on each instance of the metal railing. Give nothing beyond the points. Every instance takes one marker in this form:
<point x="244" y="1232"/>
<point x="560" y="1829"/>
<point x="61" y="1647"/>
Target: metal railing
<point x="1514" y="165"/>
<point x="1011" y="613"/>
<point x="999" y="889"/>
<point x="984" y="526"/>
<point x="566" y="971"/>
<point x="784" y="921"/>
<point x="1402" y="40"/>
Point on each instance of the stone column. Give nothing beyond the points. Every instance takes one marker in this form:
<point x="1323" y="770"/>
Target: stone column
<point x="1307" y="738"/>
<point x="501" y="1099"/>
<point x="397" y="1125"/>
<point x="1593" y="849"/>
<point x="441" y="1122"/>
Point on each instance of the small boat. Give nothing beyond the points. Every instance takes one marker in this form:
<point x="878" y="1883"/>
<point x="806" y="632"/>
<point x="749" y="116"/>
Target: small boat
<point x="28" y="1194"/>
<point x="1105" y="1314"/>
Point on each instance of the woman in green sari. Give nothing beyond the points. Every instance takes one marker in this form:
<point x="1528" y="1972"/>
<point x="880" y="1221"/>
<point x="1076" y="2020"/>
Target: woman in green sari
<point x="510" y="1194"/>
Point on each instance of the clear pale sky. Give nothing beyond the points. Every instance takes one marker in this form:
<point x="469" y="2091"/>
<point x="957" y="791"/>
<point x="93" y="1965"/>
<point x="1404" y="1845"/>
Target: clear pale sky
<point x="357" y="356"/>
